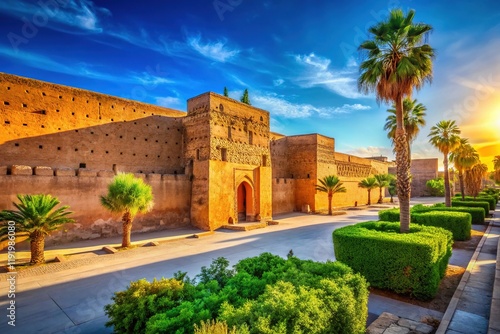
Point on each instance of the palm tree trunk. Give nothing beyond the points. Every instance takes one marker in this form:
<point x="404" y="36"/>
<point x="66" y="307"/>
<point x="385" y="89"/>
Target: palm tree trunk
<point x="127" y="228"/>
<point x="461" y="178"/>
<point x="369" y="197"/>
<point x="403" y="168"/>
<point x="330" y="203"/>
<point x="37" y="244"/>
<point x="447" y="192"/>
<point x="380" y="201"/>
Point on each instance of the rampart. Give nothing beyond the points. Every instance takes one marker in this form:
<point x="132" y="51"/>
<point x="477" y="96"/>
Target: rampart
<point x="81" y="190"/>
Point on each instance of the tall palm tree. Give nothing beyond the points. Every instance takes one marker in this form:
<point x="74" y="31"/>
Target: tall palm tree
<point x="383" y="181"/>
<point x="369" y="183"/>
<point x="496" y="162"/>
<point x="397" y="61"/>
<point x="35" y="217"/>
<point x="474" y="178"/>
<point x="444" y="137"/>
<point x="463" y="157"/>
<point x="129" y="196"/>
<point x="413" y="120"/>
<point x="331" y="185"/>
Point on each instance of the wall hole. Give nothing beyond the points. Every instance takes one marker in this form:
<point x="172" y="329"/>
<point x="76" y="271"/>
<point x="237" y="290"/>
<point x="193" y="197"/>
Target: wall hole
<point x="16" y="144"/>
<point x="60" y="96"/>
<point x="6" y="103"/>
<point x="40" y="146"/>
<point x="72" y="114"/>
<point x="43" y="94"/>
<point x="58" y="148"/>
<point x="83" y="165"/>
<point x="76" y="150"/>
<point x="24" y="124"/>
<point x="7" y="122"/>
<point x="91" y="151"/>
<point x="107" y="152"/>
<point x="25" y="105"/>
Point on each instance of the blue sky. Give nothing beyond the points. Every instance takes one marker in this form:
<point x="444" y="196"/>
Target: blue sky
<point x="298" y="59"/>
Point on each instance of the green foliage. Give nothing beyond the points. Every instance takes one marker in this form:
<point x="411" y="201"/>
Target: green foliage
<point x="132" y="307"/>
<point x="331" y="185"/>
<point x="389" y="215"/>
<point x="226" y="92"/>
<point x="34" y="214"/>
<point x="435" y="187"/>
<point x="264" y="294"/>
<point x="245" y="98"/>
<point x="213" y="327"/>
<point x="483" y="198"/>
<point x="477" y="203"/>
<point x="495" y="193"/>
<point x="477" y="214"/>
<point x="127" y="193"/>
<point x="408" y="263"/>
<point x="458" y="223"/>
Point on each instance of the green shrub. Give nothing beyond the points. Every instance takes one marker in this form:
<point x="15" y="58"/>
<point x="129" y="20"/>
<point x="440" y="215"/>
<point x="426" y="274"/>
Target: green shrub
<point x="411" y="263"/>
<point x="477" y="204"/>
<point x="326" y="298"/>
<point x="484" y="198"/>
<point x="485" y="194"/>
<point x="477" y="214"/>
<point x="435" y="187"/>
<point x="389" y="215"/>
<point x="458" y="223"/>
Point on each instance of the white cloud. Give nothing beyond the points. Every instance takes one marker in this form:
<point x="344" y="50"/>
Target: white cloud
<point x="278" y="82"/>
<point x="278" y="106"/>
<point x="169" y="101"/>
<point x="371" y="151"/>
<point x="313" y="60"/>
<point x="217" y="51"/>
<point x="315" y="72"/>
<point x="147" y="79"/>
<point x="71" y="16"/>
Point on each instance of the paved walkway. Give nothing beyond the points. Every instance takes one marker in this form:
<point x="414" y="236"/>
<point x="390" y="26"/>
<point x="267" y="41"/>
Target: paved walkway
<point x="471" y="309"/>
<point x="69" y="297"/>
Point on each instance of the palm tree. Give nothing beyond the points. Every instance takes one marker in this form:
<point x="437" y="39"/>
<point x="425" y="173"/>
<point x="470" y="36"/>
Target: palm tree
<point x="496" y="167"/>
<point x="369" y="183"/>
<point x="397" y="61"/>
<point x="382" y="181"/>
<point x="392" y="188"/>
<point x="413" y="120"/>
<point x="35" y="217"/>
<point x="129" y="196"/>
<point x="474" y="178"/>
<point x="331" y="185"/>
<point x="463" y="157"/>
<point x="444" y="137"/>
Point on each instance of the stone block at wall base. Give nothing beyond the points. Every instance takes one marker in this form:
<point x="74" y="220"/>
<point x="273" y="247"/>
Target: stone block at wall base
<point x="43" y="171"/>
<point x="65" y="172"/>
<point x="21" y="170"/>
<point x="105" y="173"/>
<point x="86" y="172"/>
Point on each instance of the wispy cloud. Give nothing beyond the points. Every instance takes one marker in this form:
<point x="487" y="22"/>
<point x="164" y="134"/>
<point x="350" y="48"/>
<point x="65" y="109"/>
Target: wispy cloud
<point x="217" y="51"/>
<point x="279" y="106"/>
<point x="169" y="102"/>
<point x="81" y="69"/>
<point x="371" y="151"/>
<point x="315" y="71"/>
<point x="71" y="16"/>
<point x="278" y="82"/>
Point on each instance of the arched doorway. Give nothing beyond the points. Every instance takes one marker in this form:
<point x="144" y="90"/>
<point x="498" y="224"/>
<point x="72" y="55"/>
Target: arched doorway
<point x="245" y="201"/>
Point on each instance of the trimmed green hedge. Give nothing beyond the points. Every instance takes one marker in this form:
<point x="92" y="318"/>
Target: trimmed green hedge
<point x="263" y="294"/>
<point x="458" y="223"/>
<point x="411" y="263"/>
<point x="485" y="205"/>
<point x="477" y="214"/>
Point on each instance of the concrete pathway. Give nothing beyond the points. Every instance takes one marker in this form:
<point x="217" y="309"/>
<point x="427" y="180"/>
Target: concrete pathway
<point x="471" y="309"/>
<point x="69" y="297"/>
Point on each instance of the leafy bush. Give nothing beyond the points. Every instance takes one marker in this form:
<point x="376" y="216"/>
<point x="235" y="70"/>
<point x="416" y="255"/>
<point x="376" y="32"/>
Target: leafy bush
<point x="486" y="194"/>
<point x="478" y="204"/>
<point x="389" y="215"/>
<point x="435" y="187"/>
<point x="282" y="296"/>
<point x="477" y="214"/>
<point x="412" y="263"/>
<point x="458" y="223"/>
